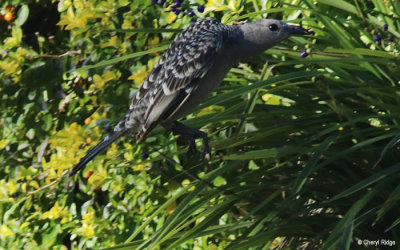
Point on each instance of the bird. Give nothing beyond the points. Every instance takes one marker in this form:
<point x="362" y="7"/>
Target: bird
<point x="186" y="73"/>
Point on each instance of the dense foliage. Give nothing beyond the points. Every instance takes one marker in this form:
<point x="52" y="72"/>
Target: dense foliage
<point x="304" y="136"/>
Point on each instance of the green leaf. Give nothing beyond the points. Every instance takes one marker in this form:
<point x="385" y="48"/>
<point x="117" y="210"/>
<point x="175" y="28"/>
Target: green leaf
<point x="312" y="162"/>
<point x="22" y="14"/>
<point x="340" y="4"/>
<point x="266" y="153"/>
<point x="219" y="181"/>
<point x="367" y="182"/>
<point x="261" y="84"/>
<point x="121" y="58"/>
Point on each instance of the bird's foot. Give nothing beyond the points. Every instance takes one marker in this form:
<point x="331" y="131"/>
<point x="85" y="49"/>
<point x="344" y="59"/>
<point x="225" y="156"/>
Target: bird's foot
<point x="205" y="152"/>
<point x="190" y="135"/>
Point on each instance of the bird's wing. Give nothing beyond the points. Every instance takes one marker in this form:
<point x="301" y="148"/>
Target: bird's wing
<point x="174" y="76"/>
<point x="190" y="56"/>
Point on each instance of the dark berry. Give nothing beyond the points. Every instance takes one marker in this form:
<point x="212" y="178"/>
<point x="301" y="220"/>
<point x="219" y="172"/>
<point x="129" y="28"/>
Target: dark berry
<point x="190" y="13"/>
<point x="179" y="1"/>
<point x="177" y="4"/>
<point x="177" y="11"/>
<point x="391" y="39"/>
<point x="108" y="128"/>
<point x="172" y="8"/>
<point x="145" y="155"/>
<point x="200" y="8"/>
<point x="378" y="38"/>
<point x="385" y="27"/>
<point x="154" y="1"/>
<point x="303" y="54"/>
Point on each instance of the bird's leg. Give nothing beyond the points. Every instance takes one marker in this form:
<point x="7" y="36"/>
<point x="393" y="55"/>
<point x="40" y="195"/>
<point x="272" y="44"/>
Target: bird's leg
<point x="190" y="135"/>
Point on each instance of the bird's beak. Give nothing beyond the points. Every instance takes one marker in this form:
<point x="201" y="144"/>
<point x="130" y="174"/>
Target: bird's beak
<point x="297" y="30"/>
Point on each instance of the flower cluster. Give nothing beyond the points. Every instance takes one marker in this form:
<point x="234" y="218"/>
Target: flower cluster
<point x="178" y="6"/>
<point x="378" y="37"/>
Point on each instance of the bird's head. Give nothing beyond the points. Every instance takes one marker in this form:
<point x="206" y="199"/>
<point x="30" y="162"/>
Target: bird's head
<point x="265" y="33"/>
<point x="275" y="30"/>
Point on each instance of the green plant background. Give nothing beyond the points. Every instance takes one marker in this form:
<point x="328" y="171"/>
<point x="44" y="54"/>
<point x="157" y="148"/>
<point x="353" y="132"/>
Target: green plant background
<point x="304" y="150"/>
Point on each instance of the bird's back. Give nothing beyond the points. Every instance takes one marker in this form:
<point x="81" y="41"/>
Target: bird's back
<point x="177" y="73"/>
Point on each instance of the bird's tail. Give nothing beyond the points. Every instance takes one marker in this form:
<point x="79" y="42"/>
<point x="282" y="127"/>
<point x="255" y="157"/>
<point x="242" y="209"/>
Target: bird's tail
<point x="96" y="150"/>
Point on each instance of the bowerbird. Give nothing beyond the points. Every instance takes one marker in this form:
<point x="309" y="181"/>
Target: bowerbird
<point x="195" y="63"/>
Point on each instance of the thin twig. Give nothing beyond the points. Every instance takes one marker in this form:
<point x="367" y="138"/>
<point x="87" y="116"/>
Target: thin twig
<point x="50" y="184"/>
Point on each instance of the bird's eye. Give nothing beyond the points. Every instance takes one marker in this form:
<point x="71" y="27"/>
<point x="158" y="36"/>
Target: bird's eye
<point x="273" y="27"/>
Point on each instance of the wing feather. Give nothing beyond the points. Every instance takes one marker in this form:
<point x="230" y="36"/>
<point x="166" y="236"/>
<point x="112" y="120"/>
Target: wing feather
<point x="188" y="58"/>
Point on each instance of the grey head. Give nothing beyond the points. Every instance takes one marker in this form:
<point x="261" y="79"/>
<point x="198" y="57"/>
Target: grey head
<point x="263" y="34"/>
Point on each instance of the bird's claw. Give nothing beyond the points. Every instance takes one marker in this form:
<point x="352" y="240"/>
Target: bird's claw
<point x="206" y="153"/>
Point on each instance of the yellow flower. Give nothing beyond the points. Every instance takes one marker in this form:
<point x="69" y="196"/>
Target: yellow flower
<point x="139" y="167"/>
<point x="142" y="73"/>
<point x="9" y="67"/>
<point x="67" y="146"/>
<point x="79" y="4"/>
<point x="4" y="194"/>
<point x="113" y="42"/>
<point x="99" y="81"/>
<point x="117" y="186"/>
<point x="15" y="39"/>
<point x="96" y="116"/>
<point x="171" y="17"/>
<point x="66" y="3"/>
<point x="128" y="156"/>
<point x="88" y="217"/>
<point x="3" y="143"/>
<point x="153" y="42"/>
<point x="216" y="5"/>
<point x="66" y="218"/>
<point x="54" y="213"/>
<point x="139" y="75"/>
<point x="34" y="184"/>
<point x="112" y="152"/>
<point x="97" y="178"/>
<point x="72" y="21"/>
<point x="87" y="231"/>
<point x="5" y="231"/>
<point x="210" y="110"/>
<point x="220" y="5"/>
<point x="11" y="186"/>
